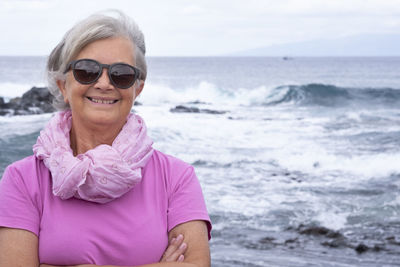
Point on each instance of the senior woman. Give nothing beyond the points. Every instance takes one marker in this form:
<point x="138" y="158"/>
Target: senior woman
<point x="95" y="192"/>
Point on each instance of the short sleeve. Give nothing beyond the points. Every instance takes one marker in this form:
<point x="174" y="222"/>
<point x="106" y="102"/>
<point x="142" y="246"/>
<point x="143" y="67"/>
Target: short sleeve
<point x="186" y="201"/>
<point x="18" y="204"/>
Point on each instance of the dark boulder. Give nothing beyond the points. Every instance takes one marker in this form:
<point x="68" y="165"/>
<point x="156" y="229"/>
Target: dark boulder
<point x="320" y="231"/>
<point x="361" y="248"/>
<point x="184" y="109"/>
<point x="36" y="101"/>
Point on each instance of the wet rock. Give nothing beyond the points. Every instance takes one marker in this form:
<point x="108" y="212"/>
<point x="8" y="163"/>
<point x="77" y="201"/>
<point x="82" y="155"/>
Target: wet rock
<point x="197" y="102"/>
<point x="13" y="103"/>
<point x="262" y="244"/>
<point x="236" y="118"/>
<point x="392" y="240"/>
<point x="266" y="240"/>
<point x="378" y="248"/>
<point x="335" y="243"/>
<point x="331" y="239"/>
<point x="4" y="112"/>
<point x="37" y="100"/>
<point x="200" y="163"/>
<point x="296" y="179"/>
<point x="291" y="241"/>
<point x="37" y="97"/>
<point x="361" y="248"/>
<point x="184" y="109"/>
<point x="319" y="231"/>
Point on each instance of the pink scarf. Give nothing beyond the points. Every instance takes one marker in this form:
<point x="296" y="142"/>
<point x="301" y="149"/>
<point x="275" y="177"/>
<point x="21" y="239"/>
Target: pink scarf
<point x="101" y="174"/>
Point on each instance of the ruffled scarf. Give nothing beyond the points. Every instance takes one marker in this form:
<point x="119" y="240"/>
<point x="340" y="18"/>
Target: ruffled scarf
<point x="102" y="173"/>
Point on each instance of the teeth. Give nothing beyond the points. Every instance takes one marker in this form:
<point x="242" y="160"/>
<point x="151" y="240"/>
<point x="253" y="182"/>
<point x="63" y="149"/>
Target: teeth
<point x="100" y="101"/>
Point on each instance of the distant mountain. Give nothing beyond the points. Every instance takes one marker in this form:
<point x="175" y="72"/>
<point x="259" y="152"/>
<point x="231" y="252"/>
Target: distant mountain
<point x="357" y="45"/>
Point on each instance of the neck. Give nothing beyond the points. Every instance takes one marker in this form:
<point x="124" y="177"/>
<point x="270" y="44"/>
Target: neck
<point x="86" y="137"/>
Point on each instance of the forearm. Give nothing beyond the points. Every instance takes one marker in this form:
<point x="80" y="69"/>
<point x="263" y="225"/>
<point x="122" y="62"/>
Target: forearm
<point x="159" y="264"/>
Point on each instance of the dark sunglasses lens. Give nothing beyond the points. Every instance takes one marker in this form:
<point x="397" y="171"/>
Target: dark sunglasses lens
<point x="122" y="75"/>
<point x="86" y="71"/>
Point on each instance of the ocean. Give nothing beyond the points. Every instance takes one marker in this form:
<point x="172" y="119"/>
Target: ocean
<point x="298" y="158"/>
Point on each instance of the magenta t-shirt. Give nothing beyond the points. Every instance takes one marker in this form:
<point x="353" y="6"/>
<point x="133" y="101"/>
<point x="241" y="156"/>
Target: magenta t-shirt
<point x="131" y="230"/>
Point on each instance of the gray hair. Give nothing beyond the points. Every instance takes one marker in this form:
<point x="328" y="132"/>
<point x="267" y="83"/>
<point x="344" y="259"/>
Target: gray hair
<point x="95" y="27"/>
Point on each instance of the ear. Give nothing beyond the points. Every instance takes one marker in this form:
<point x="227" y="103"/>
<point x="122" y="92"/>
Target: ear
<point x="61" y="86"/>
<point x="139" y="88"/>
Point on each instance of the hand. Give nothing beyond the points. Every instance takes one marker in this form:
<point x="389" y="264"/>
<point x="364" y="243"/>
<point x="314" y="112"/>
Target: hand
<point x="175" y="250"/>
<point x="81" y="265"/>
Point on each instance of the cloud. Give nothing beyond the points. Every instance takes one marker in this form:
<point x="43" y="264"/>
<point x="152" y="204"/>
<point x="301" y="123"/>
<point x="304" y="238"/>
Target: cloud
<point x="20" y="5"/>
<point x="199" y="27"/>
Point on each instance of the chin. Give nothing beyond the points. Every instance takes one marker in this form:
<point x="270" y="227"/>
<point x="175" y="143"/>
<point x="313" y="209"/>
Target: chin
<point x="107" y="119"/>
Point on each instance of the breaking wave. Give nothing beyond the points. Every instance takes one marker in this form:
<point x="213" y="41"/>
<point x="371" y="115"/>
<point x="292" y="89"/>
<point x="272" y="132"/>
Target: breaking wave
<point x="331" y="96"/>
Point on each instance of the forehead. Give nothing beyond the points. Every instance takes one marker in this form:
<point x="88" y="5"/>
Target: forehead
<point x="110" y="50"/>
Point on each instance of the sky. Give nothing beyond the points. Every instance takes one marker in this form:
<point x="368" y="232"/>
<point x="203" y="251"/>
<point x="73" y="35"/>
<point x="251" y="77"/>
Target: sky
<point x="199" y="27"/>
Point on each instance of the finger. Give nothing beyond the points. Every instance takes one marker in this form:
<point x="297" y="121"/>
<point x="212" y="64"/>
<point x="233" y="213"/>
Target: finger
<point x="181" y="258"/>
<point x="172" y="247"/>
<point x="177" y="253"/>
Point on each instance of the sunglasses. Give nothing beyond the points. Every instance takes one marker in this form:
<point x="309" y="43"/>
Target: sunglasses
<point x="87" y="71"/>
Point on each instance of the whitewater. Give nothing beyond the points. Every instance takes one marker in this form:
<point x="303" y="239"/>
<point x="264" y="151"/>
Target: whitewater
<point x="299" y="163"/>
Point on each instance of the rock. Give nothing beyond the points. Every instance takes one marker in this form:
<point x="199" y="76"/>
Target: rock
<point x="1" y="101"/>
<point x="200" y="163"/>
<point x="36" y="101"/>
<point x="197" y="102"/>
<point x="291" y="241"/>
<point x="392" y="240"/>
<point x="184" y="109"/>
<point x="4" y="112"/>
<point x="14" y="102"/>
<point x="378" y="248"/>
<point x="266" y="240"/>
<point x="335" y="243"/>
<point x="263" y="244"/>
<point x="361" y="248"/>
<point x="38" y="97"/>
<point x="318" y="231"/>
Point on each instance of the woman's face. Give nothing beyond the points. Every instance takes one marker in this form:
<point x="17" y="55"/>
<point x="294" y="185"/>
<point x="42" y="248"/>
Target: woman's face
<point x="101" y="103"/>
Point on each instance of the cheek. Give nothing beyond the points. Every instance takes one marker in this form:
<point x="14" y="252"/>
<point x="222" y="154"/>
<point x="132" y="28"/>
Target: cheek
<point x="74" y="92"/>
<point x="130" y="96"/>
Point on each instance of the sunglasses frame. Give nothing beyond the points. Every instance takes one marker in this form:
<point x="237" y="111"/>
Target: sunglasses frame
<point x="71" y="66"/>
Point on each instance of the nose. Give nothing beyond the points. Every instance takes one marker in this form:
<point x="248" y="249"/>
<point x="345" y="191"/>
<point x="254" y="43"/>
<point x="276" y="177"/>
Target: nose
<point x="104" y="82"/>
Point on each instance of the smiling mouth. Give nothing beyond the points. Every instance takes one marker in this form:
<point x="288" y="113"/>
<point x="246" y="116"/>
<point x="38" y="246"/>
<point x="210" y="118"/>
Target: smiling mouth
<point x="102" y="101"/>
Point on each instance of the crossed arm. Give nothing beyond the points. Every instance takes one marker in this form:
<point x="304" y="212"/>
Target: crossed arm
<point x="19" y="248"/>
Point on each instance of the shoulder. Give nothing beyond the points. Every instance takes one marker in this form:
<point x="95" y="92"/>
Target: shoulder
<point x="21" y="194"/>
<point x="29" y="166"/>
<point x="171" y="170"/>
<point x="168" y="162"/>
<point x="28" y="172"/>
